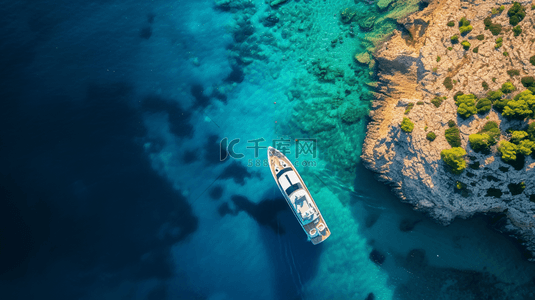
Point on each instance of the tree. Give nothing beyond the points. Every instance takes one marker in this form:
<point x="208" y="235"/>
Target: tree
<point x="483" y="106"/>
<point x="529" y="83"/>
<point x="407" y="125"/>
<point x="453" y="136"/>
<point x="508" y="150"/>
<point x="494" y="95"/>
<point x="516" y="13"/>
<point x="531" y="131"/>
<point x="517" y="109"/>
<point x="466" y="105"/>
<point x="508" y="87"/>
<point x="454" y="159"/>
<point x="518" y="136"/>
<point x="526" y="147"/>
<point x="431" y="136"/>
<point x="479" y="142"/>
<point x="492" y="130"/>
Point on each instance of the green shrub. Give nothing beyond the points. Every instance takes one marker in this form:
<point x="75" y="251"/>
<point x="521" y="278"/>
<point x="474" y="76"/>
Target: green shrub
<point x="532" y="60"/>
<point x="454" y="159"/>
<point x="454" y="39"/>
<point x="499" y="43"/>
<point x="450" y="48"/>
<point x="435" y="69"/>
<point x="508" y="87"/>
<point x="529" y="83"/>
<point x="480" y="37"/>
<point x="447" y="83"/>
<point x="476" y="49"/>
<point x="465" y="29"/>
<point x="508" y="151"/>
<point x="407" y="125"/>
<point x="517" y="109"/>
<point x="501" y="8"/>
<point x="517" y="30"/>
<point x="466" y="105"/>
<point x="466" y="45"/>
<point x="483" y="105"/>
<point x="492" y="130"/>
<point x="464" y="22"/>
<point x="505" y="53"/>
<point x="494" y="11"/>
<point x="495" y="29"/>
<point x="516" y="13"/>
<point x="531" y="131"/>
<point x="487" y="21"/>
<point x="438" y="58"/>
<point x="479" y="142"/>
<point x="494" y="95"/>
<point x="526" y="147"/>
<point x="452" y="123"/>
<point x="493" y="79"/>
<point x="517" y="136"/>
<point x="459" y="93"/>
<point x="451" y="24"/>
<point x="499" y="105"/>
<point x="431" y="136"/>
<point x="437" y="101"/>
<point x="485" y="85"/>
<point x="513" y="72"/>
<point x="409" y="107"/>
<point x="453" y="136"/>
<point x="532" y="6"/>
<point x="420" y="103"/>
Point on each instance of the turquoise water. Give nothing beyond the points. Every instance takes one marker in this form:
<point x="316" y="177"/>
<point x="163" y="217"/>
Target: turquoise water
<point x="111" y="160"/>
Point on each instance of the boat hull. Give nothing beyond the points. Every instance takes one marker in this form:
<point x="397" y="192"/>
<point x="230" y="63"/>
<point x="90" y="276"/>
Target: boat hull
<point x="298" y="197"/>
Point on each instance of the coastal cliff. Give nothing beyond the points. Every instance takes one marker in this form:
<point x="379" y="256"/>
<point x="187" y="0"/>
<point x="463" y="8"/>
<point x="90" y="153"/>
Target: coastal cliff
<point x="420" y="71"/>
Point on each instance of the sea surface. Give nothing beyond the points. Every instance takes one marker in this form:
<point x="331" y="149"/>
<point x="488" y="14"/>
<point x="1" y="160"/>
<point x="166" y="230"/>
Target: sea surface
<point x="112" y="183"/>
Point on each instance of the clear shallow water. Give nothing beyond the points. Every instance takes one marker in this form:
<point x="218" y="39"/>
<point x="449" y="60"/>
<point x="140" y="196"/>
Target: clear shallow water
<point x="113" y="188"/>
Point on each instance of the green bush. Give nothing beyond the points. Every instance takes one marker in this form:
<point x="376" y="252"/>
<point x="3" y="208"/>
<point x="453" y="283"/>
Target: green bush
<point x="532" y="60"/>
<point x="464" y="22"/>
<point x="451" y="24"/>
<point x="466" y="45"/>
<point x="476" y="49"/>
<point x="517" y="136"/>
<point x="526" y="147"/>
<point x="487" y="21"/>
<point x="499" y="43"/>
<point x="437" y="101"/>
<point x="505" y="53"/>
<point x="517" y="30"/>
<point x="453" y="136"/>
<point x="420" y="103"/>
<point x="492" y="130"/>
<point x="494" y="95"/>
<point x="499" y="105"/>
<point x="532" y="6"/>
<point x="526" y="97"/>
<point x="454" y="159"/>
<point x="438" y="58"/>
<point x="451" y="123"/>
<point x="529" y="83"/>
<point x="466" y="105"/>
<point x="409" y="107"/>
<point x="483" y="105"/>
<point x="447" y="83"/>
<point x="450" y="48"/>
<point x="431" y="136"/>
<point x="407" y="125"/>
<point x="465" y="29"/>
<point x="480" y="37"/>
<point x="485" y="85"/>
<point x="501" y="8"/>
<point x="517" y="109"/>
<point x="531" y="131"/>
<point x="513" y="72"/>
<point x="454" y="39"/>
<point x="508" y="151"/>
<point x="479" y="142"/>
<point x="495" y="29"/>
<point x="508" y="87"/>
<point x="516" y="13"/>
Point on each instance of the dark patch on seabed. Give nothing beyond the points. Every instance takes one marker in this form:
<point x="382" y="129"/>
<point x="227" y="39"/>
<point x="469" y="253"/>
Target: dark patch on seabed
<point x="81" y="199"/>
<point x="265" y="212"/>
<point x="179" y="119"/>
<point x="458" y="284"/>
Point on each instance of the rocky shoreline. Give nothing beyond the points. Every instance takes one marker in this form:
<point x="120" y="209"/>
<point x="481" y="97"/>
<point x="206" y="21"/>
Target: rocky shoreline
<point x="412" y="68"/>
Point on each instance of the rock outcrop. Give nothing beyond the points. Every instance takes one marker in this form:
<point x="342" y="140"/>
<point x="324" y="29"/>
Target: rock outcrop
<point x="412" y="67"/>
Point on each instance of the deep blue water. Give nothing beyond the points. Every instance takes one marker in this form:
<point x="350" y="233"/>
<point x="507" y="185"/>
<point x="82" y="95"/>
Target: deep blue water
<point x="111" y="186"/>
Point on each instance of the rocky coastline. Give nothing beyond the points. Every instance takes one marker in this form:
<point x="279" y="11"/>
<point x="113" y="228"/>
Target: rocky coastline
<point x="413" y="68"/>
